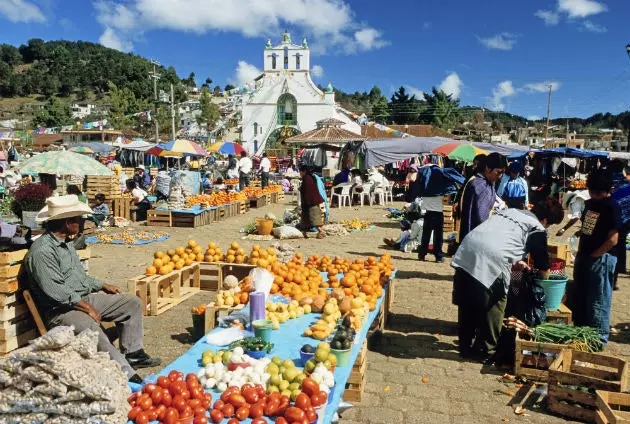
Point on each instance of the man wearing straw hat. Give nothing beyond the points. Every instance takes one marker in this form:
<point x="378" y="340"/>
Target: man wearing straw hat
<point x="66" y="295"/>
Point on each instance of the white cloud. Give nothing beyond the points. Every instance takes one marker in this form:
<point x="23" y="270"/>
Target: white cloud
<point x="245" y="72"/>
<point x="534" y="118"/>
<point x="502" y="41"/>
<point x="452" y="85"/>
<point x="550" y="17"/>
<point x="581" y="8"/>
<point x="21" y="11"/>
<point x="317" y="71"/>
<point x="593" y="27"/>
<point x="414" y="91"/>
<point x="331" y="23"/>
<point x="541" y="87"/>
<point x="501" y="91"/>
<point x="110" y="39"/>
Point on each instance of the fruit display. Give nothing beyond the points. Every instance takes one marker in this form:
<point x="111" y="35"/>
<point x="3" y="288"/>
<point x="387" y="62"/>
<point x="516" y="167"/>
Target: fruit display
<point x="231" y="368"/>
<point x="215" y="199"/>
<point x="199" y="309"/>
<point x="578" y="184"/>
<point x="232" y="297"/>
<point x="228" y="181"/>
<point x="324" y="327"/>
<point x="263" y="258"/>
<point x="344" y="336"/>
<point x="173" y="398"/>
<point x="253" y="344"/>
<point x="321" y="355"/>
<point x="295" y="280"/>
<point x="356" y="224"/>
<point x="257" y="191"/>
<point x="278" y="312"/>
<point x="285" y="378"/>
<point x="173" y="259"/>
<point x="213" y="253"/>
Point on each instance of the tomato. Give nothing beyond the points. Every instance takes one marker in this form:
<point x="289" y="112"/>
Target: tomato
<point x="302" y="401"/>
<point x="196" y="393"/>
<point x="191" y="376"/>
<point x="176" y="388"/>
<point x="242" y="413"/>
<point x="245" y="388"/>
<point x="237" y="400"/>
<point x="294" y="414"/>
<point x="167" y="399"/>
<point x="207" y="396"/>
<point x="156" y="395"/>
<point x="316" y="400"/>
<point x="260" y="390"/>
<point x="149" y="388"/>
<point x="323" y="395"/>
<point x="216" y="416"/>
<point x="256" y="411"/>
<point x="274" y="396"/>
<point x="233" y="421"/>
<point x="179" y="403"/>
<point x="201" y="420"/>
<point x="194" y="403"/>
<point x="186" y="394"/>
<point x="133" y="398"/>
<point x="251" y="396"/>
<point x="163" y="382"/>
<point x="260" y="421"/>
<point x="311" y="415"/>
<point x="309" y="386"/>
<point x="271" y="408"/>
<point x="218" y="404"/>
<point x="142" y="418"/>
<point x="145" y="403"/>
<point x="188" y="411"/>
<point x="228" y="410"/>
<point x="161" y="412"/>
<point x="199" y="411"/>
<point x="171" y="416"/>
<point x="185" y="414"/>
<point x="205" y="404"/>
<point x="173" y="375"/>
<point x="281" y="420"/>
<point x="134" y="412"/>
<point x="153" y="414"/>
<point x="261" y="403"/>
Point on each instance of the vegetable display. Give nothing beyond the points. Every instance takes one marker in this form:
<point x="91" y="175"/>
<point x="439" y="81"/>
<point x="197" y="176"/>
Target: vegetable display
<point x="255" y="344"/>
<point x="584" y="339"/>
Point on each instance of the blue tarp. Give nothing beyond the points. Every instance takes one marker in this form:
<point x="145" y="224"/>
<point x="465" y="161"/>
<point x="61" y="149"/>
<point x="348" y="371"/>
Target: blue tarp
<point x="572" y="153"/>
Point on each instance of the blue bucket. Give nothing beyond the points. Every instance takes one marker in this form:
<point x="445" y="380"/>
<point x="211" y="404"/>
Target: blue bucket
<point x="554" y="290"/>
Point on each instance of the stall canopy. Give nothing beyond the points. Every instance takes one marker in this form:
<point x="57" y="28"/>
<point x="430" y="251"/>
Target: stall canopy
<point x="95" y="146"/>
<point x="572" y="153"/>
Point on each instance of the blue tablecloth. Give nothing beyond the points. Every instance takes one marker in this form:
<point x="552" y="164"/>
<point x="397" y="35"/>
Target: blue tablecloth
<point x="193" y="210"/>
<point x="287" y="340"/>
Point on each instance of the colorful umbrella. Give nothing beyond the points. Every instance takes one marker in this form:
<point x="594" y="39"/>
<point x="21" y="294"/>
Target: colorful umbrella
<point x="81" y="149"/>
<point x="466" y="152"/>
<point x="63" y="163"/>
<point x="446" y="148"/>
<point x="177" y="148"/>
<point x="227" y="148"/>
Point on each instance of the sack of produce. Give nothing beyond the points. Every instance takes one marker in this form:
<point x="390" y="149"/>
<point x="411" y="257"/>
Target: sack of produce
<point x="287" y="232"/>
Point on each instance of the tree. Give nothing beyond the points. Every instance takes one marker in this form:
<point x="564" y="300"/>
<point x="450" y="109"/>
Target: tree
<point x="442" y="108"/>
<point x="190" y="81"/>
<point x="123" y="104"/>
<point x="56" y="114"/>
<point x="210" y="112"/>
<point x="208" y="83"/>
<point x="403" y="108"/>
<point x="217" y="90"/>
<point x="497" y="126"/>
<point x="229" y="87"/>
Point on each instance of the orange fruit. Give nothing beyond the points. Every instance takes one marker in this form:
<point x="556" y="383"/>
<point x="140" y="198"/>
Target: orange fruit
<point x="164" y="270"/>
<point x="198" y="258"/>
<point x="212" y="245"/>
<point x="192" y="243"/>
<point x="159" y="254"/>
<point x="158" y="263"/>
<point x="151" y="270"/>
<point x="170" y="252"/>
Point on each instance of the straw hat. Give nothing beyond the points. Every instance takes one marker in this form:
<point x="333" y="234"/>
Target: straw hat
<point x="62" y="207"/>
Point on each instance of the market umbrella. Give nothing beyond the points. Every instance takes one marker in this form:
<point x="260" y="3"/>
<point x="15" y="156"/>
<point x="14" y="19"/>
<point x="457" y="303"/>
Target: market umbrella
<point x="63" y="163"/>
<point x="446" y="148"/>
<point x="466" y="152"/>
<point x="227" y="148"/>
<point x="178" y="148"/>
<point x="81" y="149"/>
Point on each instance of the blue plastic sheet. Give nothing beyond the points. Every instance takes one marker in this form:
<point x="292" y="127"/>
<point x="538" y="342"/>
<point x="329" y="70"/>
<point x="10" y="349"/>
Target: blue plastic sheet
<point x="287" y="340"/>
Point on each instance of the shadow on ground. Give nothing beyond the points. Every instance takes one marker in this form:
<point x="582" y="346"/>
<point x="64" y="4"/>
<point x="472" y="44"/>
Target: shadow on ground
<point x="184" y="338"/>
<point x="406" y="323"/>
<point x="623" y="336"/>
<point x="404" y="275"/>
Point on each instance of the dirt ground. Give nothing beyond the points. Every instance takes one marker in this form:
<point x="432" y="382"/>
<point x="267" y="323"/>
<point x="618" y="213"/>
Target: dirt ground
<point x="419" y="341"/>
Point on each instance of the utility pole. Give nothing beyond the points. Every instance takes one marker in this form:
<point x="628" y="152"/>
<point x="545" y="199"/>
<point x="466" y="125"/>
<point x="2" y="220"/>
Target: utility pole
<point x="154" y="75"/>
<point x="548" y="114"/>
<point x="172" y="114"/>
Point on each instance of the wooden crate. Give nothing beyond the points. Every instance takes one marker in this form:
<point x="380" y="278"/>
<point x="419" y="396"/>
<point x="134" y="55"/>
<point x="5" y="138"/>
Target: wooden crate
<point x="257" y="202"/>
<point x="560" y="251"/>
<point x="613" y="408"/>
<point x="189" y="281"/>
<point x="7" y="258"/>
<point x="542" y="355"/>
<point x="562" y="316"/>
<point x="105" y="184"/>
<point x="593" y="371"/>
<point x="12" y="343"/>
<point x="354" y="392"/>
<point x="360" y="366"/>
<point x="210" y="276"/>
<point x="243" y="207"/>
<point x="221" y="213"/>
<point x="213" y="313"/>
<point x="159" y="293"/>
<point x="159" y="218"/>
<point x="121" y="206"/>
<point x="240" y="271"/>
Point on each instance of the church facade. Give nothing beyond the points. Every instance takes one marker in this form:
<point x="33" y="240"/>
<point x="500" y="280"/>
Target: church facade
<point x="285" y="100"/>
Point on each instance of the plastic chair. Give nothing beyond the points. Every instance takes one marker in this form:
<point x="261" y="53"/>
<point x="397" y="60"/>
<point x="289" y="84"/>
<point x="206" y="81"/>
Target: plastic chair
<point x="295" y="185"/>
<point x="389" y="193"/>
<point x="379" y="195"/>
<point x="365" y="193"/>
<point x="342" y="196"/>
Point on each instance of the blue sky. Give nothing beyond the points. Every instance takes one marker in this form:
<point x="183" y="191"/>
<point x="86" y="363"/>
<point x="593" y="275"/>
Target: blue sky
<point x="496" y="53"/>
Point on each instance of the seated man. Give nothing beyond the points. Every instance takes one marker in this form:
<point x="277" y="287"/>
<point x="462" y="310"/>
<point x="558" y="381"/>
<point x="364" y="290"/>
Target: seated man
<point x="66" y="295"/>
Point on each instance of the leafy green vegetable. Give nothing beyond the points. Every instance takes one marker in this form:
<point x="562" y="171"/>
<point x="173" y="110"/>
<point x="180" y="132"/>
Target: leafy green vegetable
<point x="256" y="344"/>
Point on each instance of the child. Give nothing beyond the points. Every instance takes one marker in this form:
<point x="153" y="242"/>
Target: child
<point x="100" y="209"/>
<point x="219" y="186"/>
<point x="596" y="259"/>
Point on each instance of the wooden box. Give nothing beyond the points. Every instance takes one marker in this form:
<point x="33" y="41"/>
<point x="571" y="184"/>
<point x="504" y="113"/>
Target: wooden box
<point x="221" y="213"/>
<point x="240" y="271"/>
<point x="213" y="313"/>
<point x="159" y="293"/>
<point x="613" y="408"/>
<point x="159" y="218"/>
<point x="533" y="359"/>
<point x="189" y="281"/>
<point x="243" y="207"/>
<point x="257" y="202"/>
<point x="354" y="392"/>
<point x="210" y="276"/>
<point x="560" y="251"/>
<point x="188" y="220"/>
<point x="562" y="316"/>
<point x="121" y="206"/>
<point x="105" y="184"/>
<point x="360" y="366"/>
<point x="590" y="371"/>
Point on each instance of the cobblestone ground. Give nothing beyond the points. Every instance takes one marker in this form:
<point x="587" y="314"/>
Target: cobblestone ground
<point x="418" y="345"/>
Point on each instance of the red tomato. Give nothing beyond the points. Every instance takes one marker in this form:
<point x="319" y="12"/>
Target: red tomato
<point x="153" y="414"/>
<point x="149" y="388"/>
<point x="281" y="420"/>
<point x="191" y="376"/>
<point x="309" y="386"/>
<point x="134" y="412"/>
<point x="216" y="416"/>
<point x="237" y="400"/>
<point x="317" y="400"/>
<point x="294" y="414"/>
<point x="311" y="415"/>
<point x="256" y="411"/>
<point x="186" y="414"/>
<point x="196" y="393"/>
<point x="194" y="403"/>
<point x="251" y="396"/>
<point x="186" y="394"/>
<point x="161" y="412"/>
<point x="142" y="418"/>
<point x="205" y="404"/>
<point x="198" y="411"/>
<point x="242" y="413"/>
<point x="207" y="396"/>
<point x="188" y="411"/>
<point x="173" y="375"/>
<point x="145" y="403"/>
<point x="302" y="401"/>
<point x="228" y="410"/>
<point x="167" y="399"/>
<point x="274" y="396"/>
<point x="163" y="382"/>
<point x="271" y="408"/>
<point x="133" y="397"/>
<point x="176" y="388"/>
<point x="246" y="387"/>
<point x="260" y="389"/>
<point x="179" y="403"/>
<point x="324" y="395"/>
<point x="218" y="404"/>
<point x="260" y="421"/>
<point x="233" y="421"/>
<point x="261" y="403"/>
<point x="201" y="420"/>
<point x="171" y="416"/>
<point x="156" y="395"/>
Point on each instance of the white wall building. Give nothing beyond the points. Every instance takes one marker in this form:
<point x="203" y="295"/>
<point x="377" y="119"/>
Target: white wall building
<point x="285" y="95"/>
<point x="81" y="110"/>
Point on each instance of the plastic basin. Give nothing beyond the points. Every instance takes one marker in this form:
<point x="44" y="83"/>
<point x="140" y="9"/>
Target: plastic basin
<point x="263" y="329"/>
<point x="343" y="356"/>
<point x="257" y="354"/>
<point x="305" y="357"/>
<point x="554" y="289"/>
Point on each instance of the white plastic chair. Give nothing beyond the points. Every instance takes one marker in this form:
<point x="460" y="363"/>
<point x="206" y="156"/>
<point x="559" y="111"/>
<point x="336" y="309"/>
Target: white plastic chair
<point x="342" y="195"/>
<point x="389" y="193"/>
<point x="379" y="195"/>
<point x="295" y="185"/>
<point x="366" y="193"/>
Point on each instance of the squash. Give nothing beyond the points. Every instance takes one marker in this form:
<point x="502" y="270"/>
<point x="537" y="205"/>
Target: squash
<point x="318" y="304"/>
<point x="345" y="306"/>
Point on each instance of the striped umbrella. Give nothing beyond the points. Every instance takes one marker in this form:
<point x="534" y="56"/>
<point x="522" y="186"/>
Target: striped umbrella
<point x="466" y="152"/>
<point x="446" y="148"/>
<point x="177" y="148"/>
<point x="63" y="163"/>
<point x="227" y="148"/>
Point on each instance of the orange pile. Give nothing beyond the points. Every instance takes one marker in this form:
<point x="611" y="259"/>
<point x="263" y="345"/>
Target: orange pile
<point x="166" y="262"/>
<point x="263" y="258"/>
<point x="215" y="199"/>
<point x="252" y="191"/>
<point x="295" y="280"/>
<point x="229" y="181"/>
<point x="213" y="253"/>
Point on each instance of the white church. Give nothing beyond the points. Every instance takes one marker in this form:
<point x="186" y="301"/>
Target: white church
<point x="285" y="96"/>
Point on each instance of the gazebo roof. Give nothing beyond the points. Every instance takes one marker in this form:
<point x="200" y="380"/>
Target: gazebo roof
<point x="328" y="131"/>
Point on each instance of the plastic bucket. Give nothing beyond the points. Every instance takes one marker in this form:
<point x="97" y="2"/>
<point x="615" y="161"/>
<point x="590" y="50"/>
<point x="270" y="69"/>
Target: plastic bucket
<point x="305" y="357"/>
<point x="264" y="226"/>
<point x="343" y="356"/>
<point x="554" y="290"/>
<point x="199" y="323"/>
<point x="263" y="329"/>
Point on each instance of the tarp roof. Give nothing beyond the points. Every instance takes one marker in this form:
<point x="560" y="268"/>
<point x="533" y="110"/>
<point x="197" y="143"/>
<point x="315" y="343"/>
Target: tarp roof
<point x="572" y="153"/>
